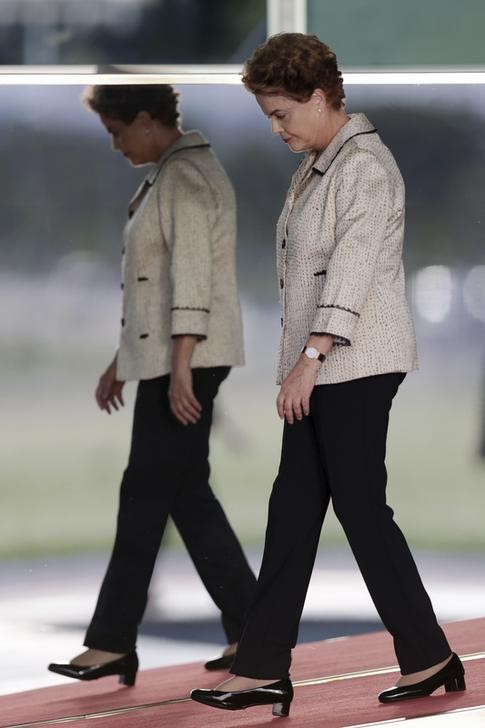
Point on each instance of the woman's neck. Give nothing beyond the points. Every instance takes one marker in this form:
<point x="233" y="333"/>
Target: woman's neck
<point x="166" y="137"/>
<point x="333" y="123"/>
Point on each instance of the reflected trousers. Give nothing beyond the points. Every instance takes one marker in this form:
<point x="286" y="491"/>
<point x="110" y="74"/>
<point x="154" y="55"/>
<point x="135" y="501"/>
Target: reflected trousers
<point x="337" y="453"/>
<point x="168" y="474"/>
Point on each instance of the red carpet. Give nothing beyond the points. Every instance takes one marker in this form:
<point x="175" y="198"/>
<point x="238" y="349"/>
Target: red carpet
<point x="327" y="701"/>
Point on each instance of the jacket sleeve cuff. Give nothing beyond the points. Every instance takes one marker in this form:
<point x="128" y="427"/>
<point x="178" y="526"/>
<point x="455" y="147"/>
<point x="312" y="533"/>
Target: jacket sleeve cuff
<point x="190" y="321"/>
<point x="338" y="321"/>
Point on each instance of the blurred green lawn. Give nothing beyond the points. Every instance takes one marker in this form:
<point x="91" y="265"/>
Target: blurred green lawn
<point x="61" y="461"/>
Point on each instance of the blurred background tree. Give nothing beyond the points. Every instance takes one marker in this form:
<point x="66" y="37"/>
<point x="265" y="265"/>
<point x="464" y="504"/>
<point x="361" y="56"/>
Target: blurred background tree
<point x="54" y="168"/>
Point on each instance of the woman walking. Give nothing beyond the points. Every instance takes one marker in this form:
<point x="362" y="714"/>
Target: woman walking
<point x="180" y="335"/>
<point x="347" y="341"/>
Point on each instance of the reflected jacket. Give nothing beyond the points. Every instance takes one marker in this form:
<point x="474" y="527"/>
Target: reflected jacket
<point x="178" y="266"/>
<point x="339" y="258"/>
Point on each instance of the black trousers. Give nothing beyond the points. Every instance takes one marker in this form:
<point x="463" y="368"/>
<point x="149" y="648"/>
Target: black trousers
<point x="168" y="474"/>
<point x="337" y="453"/>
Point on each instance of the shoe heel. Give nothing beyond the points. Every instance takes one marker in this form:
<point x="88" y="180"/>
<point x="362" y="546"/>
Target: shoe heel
<point x="281" y="710"/>
<point x="455" y="684"/>
<point x="128" y="679"/>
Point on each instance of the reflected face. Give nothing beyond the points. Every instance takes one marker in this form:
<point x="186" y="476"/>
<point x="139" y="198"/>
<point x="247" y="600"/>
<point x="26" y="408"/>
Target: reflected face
<point x="132" y="140"/>
<point x="298" y="123"/>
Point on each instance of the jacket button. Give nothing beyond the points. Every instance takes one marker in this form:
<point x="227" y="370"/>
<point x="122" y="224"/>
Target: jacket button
<point x="282" y="283"/>
<point x="122" y="321"/>
<point x="281" y="321"/>
<point x="283" y="244"/>
<point x="122" y="285"/>
<point x="143" y="336"/>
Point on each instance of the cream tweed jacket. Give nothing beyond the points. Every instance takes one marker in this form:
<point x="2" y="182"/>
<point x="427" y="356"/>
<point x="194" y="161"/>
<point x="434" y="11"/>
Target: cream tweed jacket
<point x="178" y="266"/>
<point x="339" y="258"/>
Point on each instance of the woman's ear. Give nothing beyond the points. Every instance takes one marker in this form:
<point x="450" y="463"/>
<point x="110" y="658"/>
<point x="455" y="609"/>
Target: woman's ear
<point x="319" y="98"/>
<point x="144" y="118"/>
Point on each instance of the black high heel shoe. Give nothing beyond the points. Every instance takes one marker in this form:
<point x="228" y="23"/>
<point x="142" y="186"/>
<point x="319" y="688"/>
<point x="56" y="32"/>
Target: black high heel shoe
<point x="279" y="694"/>
<point x="126" y="667"/>
<point x="451" y="676"/>
<point x="220" y="663"/>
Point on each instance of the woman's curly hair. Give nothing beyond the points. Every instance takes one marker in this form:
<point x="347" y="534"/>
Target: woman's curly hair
<point x="122" y="102"/>
<point x="294" y="65"/>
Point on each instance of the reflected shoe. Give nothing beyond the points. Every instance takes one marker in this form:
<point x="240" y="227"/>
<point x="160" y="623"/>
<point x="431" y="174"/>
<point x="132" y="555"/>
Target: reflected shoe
<point x="451" y="677"/>
<point x="278" y="694"/>
<point x="126" y="667"/>
<point x="220" y="663"/>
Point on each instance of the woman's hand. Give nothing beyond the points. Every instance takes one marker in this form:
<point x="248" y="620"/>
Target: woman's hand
<point x="294" y="397"/>
<point x="293" y="400"/>
<point x="109" y="390"/>
<point x="183" y="403"/>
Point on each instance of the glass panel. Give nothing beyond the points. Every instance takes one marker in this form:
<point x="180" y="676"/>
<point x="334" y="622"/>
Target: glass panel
<point x="104" y="32"/>
<point x="393" y="33"/>
<point x="64" y="196"/>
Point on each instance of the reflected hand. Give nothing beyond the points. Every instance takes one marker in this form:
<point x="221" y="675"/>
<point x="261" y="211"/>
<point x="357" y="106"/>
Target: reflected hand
<point x="109" y="390"/>
<point x="183" y="403"/>
<point x="293" y="400"/>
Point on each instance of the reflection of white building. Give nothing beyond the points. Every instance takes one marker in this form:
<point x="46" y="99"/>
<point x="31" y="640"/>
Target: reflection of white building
<point x="474" y="292"/>
<point x="433" y="292"/>
<point x="48" y="24"/>
<point x="441" y="295"/>
<point x="55" y="32"/>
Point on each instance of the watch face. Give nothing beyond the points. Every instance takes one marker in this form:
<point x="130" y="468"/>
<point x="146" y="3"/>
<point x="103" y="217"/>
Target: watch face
<point x="311" y="352"/>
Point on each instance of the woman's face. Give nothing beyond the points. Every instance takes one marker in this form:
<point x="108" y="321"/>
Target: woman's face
<point x="132" y="140"/>
<point x="299" y="123"/>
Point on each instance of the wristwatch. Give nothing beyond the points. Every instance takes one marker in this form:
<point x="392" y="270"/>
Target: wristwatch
<point x="313" y="353"/>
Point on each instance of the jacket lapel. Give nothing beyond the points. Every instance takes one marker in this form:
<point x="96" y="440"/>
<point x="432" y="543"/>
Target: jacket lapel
<point x="137" y="198"/>
<point x="357" y="125"/>
<point x="188" y="140"/>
